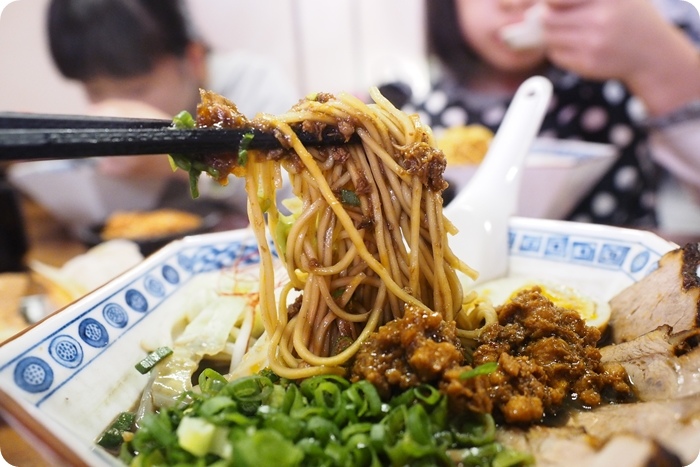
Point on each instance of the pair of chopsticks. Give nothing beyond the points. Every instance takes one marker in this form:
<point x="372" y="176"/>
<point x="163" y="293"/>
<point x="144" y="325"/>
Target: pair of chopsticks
<point x="27" y="136"/>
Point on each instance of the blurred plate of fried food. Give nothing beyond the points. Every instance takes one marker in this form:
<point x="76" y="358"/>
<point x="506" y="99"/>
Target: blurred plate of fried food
<point x="465" y="145"/>
<point x="153" y="229"/>
<point x="558" y="173"/>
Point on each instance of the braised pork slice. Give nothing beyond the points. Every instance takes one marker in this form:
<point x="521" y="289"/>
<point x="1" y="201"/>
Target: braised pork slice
<point x="674" y="424"/>
<point x="659" y="433"/>
<point x="572" y="446"/>
<point x="669" y="295"/>
<point x="661" y="365"/>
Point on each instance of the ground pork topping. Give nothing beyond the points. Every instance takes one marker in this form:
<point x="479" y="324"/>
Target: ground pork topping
<point x="546" y="358"/>
<point x="406" y="352"/>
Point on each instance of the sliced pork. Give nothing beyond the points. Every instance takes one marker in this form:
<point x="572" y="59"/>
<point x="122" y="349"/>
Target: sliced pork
<point x="660" y="364"/>
<point x="574" y="447"/>
<point x="675" y="424"/>
<point x="668" y="296"/>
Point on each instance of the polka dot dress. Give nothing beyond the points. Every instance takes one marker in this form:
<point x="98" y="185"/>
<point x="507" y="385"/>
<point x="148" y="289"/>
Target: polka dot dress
<point x="601" y="112"/>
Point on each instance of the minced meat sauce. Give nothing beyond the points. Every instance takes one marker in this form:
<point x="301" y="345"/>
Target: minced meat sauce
<point x="547" y="359"/>
<point x="418" y="348"/>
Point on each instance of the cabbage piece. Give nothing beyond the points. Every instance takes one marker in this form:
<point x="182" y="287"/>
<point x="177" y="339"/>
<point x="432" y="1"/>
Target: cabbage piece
<point x="285" y="222"/>
<point x="254" y="360"/>
<point x="183" y="308"/>
<point x="206" y="334"/>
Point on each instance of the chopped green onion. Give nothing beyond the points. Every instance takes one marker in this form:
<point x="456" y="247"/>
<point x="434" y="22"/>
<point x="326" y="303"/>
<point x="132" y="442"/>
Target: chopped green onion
<point x="269" y="374"/>
<point x="253" y="388"/>
<point x="211" y="171"/>
<point x="483" y="369"/>
<point x="112" y="437"/>
<point x="337" y="293"/>
<point x="323" y="420"/>
<point x="211" y="382"/>
<point x="310" y="385"/>
<point x="328" y="396"/>
<point x="293" y="400"/>
<point x="184" y="121"/>
<point x="243" y="148"/>
<point x="479" y="430"/>
<point x="365" y="398"/>
<point x="266" y="447"/>
<point x="290" y="427"/>
<point x="173" y="163"/>
<point x="349" y="197"/>
<point x="194" y="181"/>
<point x="195" y="435"/>
<point x="242" y="157"/>
<point x="211" y="408"/>
<point x="427" y="394"/>
<point x="147" y="364"/>
<point x="321" y="429"/>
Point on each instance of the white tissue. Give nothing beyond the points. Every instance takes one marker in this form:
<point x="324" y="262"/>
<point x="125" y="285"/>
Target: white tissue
<point x="528" y="33"/>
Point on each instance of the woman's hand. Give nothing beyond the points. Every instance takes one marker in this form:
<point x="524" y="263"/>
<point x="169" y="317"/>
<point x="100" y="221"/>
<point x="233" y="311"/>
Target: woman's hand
<point x="627" y="40"/>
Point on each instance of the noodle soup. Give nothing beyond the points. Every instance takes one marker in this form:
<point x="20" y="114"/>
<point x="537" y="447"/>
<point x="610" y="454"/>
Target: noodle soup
<point x="345" y="318"/>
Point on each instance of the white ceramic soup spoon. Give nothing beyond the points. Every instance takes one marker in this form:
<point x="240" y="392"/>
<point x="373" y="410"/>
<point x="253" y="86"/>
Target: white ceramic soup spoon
<point x="481" y="210"/>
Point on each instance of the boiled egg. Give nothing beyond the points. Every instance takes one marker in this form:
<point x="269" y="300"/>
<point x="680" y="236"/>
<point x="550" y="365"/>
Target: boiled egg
<point x="594" y="311"/>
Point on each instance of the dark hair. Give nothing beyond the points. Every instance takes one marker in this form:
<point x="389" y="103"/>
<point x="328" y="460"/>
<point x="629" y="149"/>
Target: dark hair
<point x="119" y="38"/>
<point x="445" y="39"/>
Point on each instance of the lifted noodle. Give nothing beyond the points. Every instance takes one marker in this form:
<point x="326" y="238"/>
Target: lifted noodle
<point x="368" y="238"/>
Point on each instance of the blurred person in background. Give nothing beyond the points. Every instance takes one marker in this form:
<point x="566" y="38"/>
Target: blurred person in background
<point x="143" y="58"/>
<point x="14" y="243"/>
<point x="625" y="72"/>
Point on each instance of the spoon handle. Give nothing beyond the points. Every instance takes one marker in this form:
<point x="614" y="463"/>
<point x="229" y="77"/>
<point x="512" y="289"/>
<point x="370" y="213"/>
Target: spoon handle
<point x="481" y="211"/>
<point x="500" y="172"/>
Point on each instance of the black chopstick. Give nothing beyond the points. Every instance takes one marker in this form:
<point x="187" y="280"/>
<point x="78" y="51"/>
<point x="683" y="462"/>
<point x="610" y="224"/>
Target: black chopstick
<point x="74" y="144"/>
<point x="27" y="121"/>
<point x="35" y="137"/>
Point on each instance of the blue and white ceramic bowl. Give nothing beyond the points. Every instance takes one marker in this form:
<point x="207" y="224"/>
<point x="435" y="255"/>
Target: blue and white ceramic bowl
<point x="66" y="378"/>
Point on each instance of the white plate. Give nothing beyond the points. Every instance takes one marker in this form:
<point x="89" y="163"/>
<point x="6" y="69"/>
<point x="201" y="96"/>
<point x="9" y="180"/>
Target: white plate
<point x="67" y="377"/>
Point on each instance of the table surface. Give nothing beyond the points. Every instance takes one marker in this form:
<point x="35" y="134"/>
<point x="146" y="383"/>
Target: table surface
<point x="53" y="244"/>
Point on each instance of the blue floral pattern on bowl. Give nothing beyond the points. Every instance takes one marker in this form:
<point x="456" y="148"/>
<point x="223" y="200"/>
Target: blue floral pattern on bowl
<point x="630" y="256"/>
<point x="35" y="370"/>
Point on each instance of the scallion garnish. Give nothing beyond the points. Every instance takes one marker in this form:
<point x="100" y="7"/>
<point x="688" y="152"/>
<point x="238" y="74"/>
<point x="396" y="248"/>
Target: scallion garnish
<point x="113" y="436"/>
<point x="243" y="148"/>
<point x="337" y="293"/>
<point x="184" y="121"/>
<point x="324" y="420"/>
<point x="483" y="369"/>
<point x="147" y="364"/>
<point x="349" y="197"/>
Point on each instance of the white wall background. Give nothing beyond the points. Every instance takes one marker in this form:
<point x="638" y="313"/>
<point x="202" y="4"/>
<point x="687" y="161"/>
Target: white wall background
<point x="324" y="45"/>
